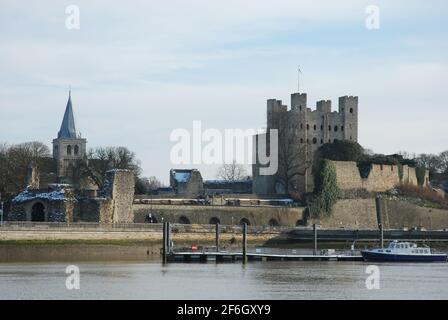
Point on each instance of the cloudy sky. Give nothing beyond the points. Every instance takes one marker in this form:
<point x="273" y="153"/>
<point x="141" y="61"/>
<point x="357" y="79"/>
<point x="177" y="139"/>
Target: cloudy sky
<point x="139" y="69"/>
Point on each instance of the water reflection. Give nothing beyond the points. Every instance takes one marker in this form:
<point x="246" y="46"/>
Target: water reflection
<point x="258" y="280"/>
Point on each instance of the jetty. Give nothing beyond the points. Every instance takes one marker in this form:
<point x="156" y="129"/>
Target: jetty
<point x="190" y="256"/>
<point x="195" y="254"/>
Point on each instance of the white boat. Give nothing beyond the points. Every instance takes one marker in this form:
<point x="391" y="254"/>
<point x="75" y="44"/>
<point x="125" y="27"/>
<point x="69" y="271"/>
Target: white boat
<point x="403" y="252"/>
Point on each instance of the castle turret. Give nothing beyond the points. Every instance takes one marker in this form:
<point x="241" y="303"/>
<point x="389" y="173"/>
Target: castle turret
<point x="69" y="146"/>
<point x="348" y="107"/>
<point x="298" y="101"/>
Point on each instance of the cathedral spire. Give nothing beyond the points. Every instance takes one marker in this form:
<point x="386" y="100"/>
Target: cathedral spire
<point x="68" y="127"/>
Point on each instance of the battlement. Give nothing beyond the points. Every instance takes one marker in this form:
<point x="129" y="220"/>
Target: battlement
<point x="298" y="101"/>
<point x="348" y="104"/>
<point x="275" y="105"/>
<point x="323" y="106"/>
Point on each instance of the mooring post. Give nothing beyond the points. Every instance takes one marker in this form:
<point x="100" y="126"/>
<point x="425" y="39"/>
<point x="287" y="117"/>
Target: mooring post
<point x="164" y="243"/>
<point x="168" y="238"/>
<point x="244" y="242"/>
<point x="217" y="237"/>
<point x="382" y="235"/>
<point x="315" y="238"/>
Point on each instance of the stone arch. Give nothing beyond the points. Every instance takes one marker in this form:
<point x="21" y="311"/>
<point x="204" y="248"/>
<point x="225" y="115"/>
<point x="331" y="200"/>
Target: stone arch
<point x="38" y="212"/>
<point x="300" y="223"/>
<point x="184" y="220"/>
<point x="273" y="223"/>
<point x="245" y="220"/>
<point x="214" y="220"/>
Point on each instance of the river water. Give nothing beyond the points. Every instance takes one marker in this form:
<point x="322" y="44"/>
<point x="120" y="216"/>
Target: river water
<point x="256" y="280"/>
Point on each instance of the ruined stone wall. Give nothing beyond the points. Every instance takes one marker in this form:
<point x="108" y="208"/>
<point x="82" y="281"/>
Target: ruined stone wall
<point x="381" y="177"/>
<point x="119" y="187"/>
<point x="227" y="215"/>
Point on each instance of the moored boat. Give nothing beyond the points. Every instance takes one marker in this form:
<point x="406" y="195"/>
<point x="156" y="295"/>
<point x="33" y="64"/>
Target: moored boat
<point x="403" y="252"/>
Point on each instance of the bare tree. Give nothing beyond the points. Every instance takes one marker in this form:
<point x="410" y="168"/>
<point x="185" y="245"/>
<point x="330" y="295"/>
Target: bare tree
<point x="100" y="160"/>
<point x="148" y="185"/>
<point x="232" y="172"/>
<point x="443" y="162"/>
<point x="14" y="162"/>
<point x="429" y="161"/>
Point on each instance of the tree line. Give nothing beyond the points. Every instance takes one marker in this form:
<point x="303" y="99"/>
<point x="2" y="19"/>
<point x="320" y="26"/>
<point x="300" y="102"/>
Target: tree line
<point x="16" y="158"/>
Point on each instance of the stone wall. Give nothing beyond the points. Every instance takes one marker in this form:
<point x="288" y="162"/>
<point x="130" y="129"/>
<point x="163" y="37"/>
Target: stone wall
<point x="350" y="214"/>
<point x="226" y="215"/>
<point x="401" y="214"/>
<point x="381" y="177"/>
<point x="119" y="187"/>
<point x="396" y="214"/>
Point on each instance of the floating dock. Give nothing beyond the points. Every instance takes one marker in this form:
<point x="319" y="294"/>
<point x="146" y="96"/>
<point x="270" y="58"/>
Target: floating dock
<point x="238" y="256"/>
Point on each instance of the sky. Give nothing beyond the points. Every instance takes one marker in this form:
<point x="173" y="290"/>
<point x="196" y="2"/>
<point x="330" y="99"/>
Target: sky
<point x="141" y="69"/>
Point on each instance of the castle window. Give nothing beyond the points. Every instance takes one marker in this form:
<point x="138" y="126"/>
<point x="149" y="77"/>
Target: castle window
<point x="329" y="128"/>
<point x="76" y="150"/>
<point x="69" y="150"/>
<point x="335" y="128"/>
<point x="322" y="127"/>
<point x="307" y="140"/>
<point x="315" y="127"/>
<point x="307" y="127"/>
<point x="321" y="141"/>
<point x="342" y="128"/>
<point x="351" y="110"/>
<point x="301" y="126"/>
<point x="56" y="149"/>
<point x="314" y="140"/>
<point x="351" y="138"/>
<point x="301" y="140"/>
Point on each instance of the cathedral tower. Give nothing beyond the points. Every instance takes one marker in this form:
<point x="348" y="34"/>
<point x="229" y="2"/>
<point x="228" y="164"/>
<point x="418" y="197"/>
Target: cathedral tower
<point x="68" y="147"/>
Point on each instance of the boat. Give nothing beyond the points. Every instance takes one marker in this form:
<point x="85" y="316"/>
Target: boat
<point x="403" y="252"/>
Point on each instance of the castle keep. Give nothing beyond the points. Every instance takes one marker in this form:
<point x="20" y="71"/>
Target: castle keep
<point x="301" y="132"/>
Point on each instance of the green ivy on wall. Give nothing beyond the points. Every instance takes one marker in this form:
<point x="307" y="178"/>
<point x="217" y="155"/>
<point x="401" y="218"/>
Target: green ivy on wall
<point x="327" y="191"/>
<point x="420" y="172"/>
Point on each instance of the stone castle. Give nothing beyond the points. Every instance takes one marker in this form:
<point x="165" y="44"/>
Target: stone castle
<point x="65" y="200"/>
<point x="301" y="132"/>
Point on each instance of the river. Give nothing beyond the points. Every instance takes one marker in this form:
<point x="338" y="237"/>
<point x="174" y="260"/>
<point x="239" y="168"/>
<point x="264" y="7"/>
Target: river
<point x="257" y="280"/>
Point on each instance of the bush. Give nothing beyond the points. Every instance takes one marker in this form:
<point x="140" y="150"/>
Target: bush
<point x="342" y="150"/>
<point x="423" y="193"/>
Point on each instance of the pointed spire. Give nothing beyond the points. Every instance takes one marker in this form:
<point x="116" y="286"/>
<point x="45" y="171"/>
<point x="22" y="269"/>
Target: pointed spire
<point x="68" y="127"/>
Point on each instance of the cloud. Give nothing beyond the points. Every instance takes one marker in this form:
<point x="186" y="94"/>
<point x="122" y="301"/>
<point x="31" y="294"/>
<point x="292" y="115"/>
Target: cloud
<point x="140" y="69"/>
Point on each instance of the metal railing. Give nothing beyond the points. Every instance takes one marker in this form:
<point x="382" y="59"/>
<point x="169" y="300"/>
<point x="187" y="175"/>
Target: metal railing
<point x="156" y="227"/>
